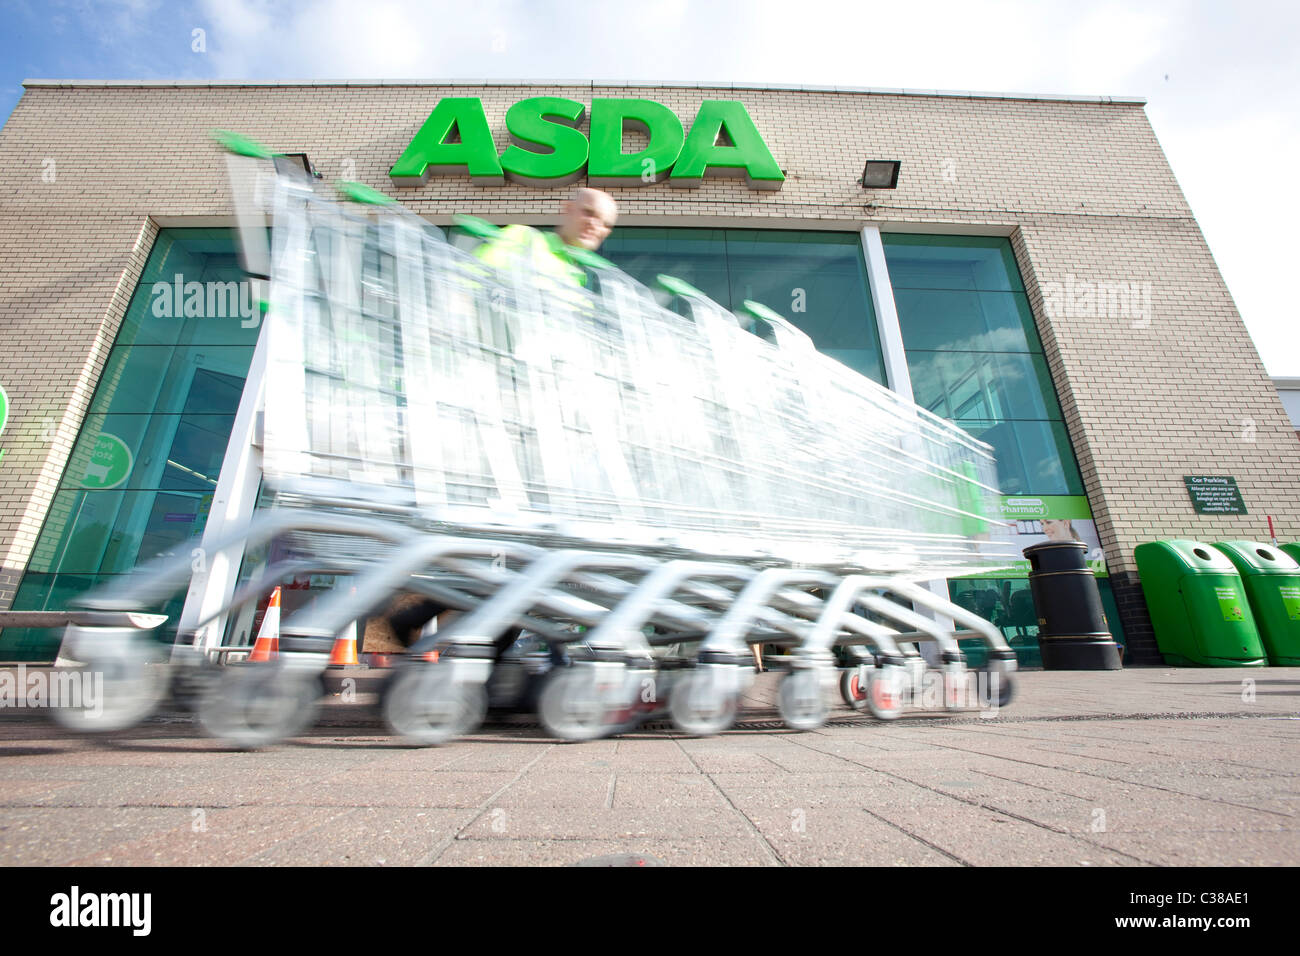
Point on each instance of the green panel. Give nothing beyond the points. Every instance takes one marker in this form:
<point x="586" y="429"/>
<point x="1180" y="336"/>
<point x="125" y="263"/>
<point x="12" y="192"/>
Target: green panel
<point x="1034" y="457"/>
<point x="966" y="321"/>
<point x="951" y="262"/>
<point x="975" y="386"/>
<point x="1038" y="507"/>
<point x="1112" y="614"/>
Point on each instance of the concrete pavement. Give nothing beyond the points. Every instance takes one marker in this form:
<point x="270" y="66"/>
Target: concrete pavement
<point x="1149" y="766"/>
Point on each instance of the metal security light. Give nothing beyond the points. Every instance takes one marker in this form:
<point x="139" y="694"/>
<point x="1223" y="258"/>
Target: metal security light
<point x="880" y="174"/>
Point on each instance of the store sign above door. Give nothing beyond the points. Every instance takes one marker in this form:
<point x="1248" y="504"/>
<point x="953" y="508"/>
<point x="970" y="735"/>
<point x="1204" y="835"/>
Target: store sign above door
<point x="547" y="148"/>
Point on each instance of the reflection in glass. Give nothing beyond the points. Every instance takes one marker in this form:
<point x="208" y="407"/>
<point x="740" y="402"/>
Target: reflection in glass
<point x="966" y="321"/>
<point x="982" y="385"/>
<point x="143" y="471"/>
<point x="1034" y="457"/>
<point x="817" y="280"/>
<point x="951" y="262"/>
<point x="975" y="358"/>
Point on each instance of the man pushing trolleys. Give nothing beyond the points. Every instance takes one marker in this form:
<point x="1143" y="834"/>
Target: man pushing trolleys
<point x="532" y="442"/>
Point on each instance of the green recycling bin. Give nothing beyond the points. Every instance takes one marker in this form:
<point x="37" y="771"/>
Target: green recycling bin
<point x="1293" y="549"/>
<point x="1198" y="605"/>
<point x="1272" y="580"/>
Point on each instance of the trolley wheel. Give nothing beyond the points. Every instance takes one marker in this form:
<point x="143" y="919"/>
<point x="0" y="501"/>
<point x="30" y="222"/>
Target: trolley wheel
<point x="132" y="688"/>
<point x="801" y="701"/>
<point x="191" y="684"/>
<point x="852" y="690"/>
<point x="1006" y="686"/>
<point x="423" y="704"/>
<point x="699" y="707"/>
<point x="570" y="706"/>
<point x="884" y="696"/>
<point x="256" y="705"/>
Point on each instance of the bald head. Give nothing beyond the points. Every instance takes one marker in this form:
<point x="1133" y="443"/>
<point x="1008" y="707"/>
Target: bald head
<point x="588" y="218"/>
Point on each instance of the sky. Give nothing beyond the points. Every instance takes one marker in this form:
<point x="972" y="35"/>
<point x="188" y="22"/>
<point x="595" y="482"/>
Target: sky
<point x="1221" y="80"/>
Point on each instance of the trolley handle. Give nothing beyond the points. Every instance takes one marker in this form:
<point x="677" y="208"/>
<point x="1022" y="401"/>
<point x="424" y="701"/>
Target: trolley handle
<point x="785" y="334"/>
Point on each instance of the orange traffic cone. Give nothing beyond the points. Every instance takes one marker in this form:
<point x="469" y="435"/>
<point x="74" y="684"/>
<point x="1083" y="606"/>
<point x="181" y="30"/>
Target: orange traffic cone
<point x="267" y="646"/>
<point x="345" y="646"/>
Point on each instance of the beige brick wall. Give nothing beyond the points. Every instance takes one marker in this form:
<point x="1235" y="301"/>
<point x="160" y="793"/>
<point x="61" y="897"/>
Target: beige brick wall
<point x="1082" y="187"/>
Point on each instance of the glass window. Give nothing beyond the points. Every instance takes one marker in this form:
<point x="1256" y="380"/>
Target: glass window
<point x="975" y="358"/>
<point x="192" y="292"/>
<point x="951" y="262"/>
<point x="113" y="531"/>
<point x="1034" y="457"/>
<point x="143" y="471"/>
<point x="173" y="378"/>
<point x="962" y="321"/>
<point x="40" y="592"/>
<point x="697" y="256"/>
<point x="818" y="280"/>
<point x="175" y="452"/>
<point x="1006" y="603"/>
<point x="963" y="386"/>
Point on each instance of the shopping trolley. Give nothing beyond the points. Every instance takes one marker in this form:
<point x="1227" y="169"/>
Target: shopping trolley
<point x="644" y="468"/>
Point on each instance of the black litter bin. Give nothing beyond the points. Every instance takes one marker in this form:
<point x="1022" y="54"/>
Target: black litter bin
<point x="1072" y="632"/>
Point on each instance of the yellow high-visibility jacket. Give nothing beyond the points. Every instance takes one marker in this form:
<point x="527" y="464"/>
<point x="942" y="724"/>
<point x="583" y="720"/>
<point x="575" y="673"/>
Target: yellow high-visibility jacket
<point x="546" y="253"/>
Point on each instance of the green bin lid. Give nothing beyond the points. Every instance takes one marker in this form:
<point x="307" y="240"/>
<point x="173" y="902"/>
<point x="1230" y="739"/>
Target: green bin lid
<point x="1183" y="555"/>
<point x="1255" y="557"/>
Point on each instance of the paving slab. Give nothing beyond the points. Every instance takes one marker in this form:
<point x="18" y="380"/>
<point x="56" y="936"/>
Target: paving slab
<point x="747" y="851"/>
<point x="368" y="836"/>
<point x="1148" y="766"/>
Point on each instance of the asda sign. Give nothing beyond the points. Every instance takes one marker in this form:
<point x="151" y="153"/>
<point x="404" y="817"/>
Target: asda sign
<point x="548" y="149"/>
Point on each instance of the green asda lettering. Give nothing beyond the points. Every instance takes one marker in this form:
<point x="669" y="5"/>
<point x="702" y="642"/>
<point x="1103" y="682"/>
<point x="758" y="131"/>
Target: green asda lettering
<point x="547" y="148"/>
